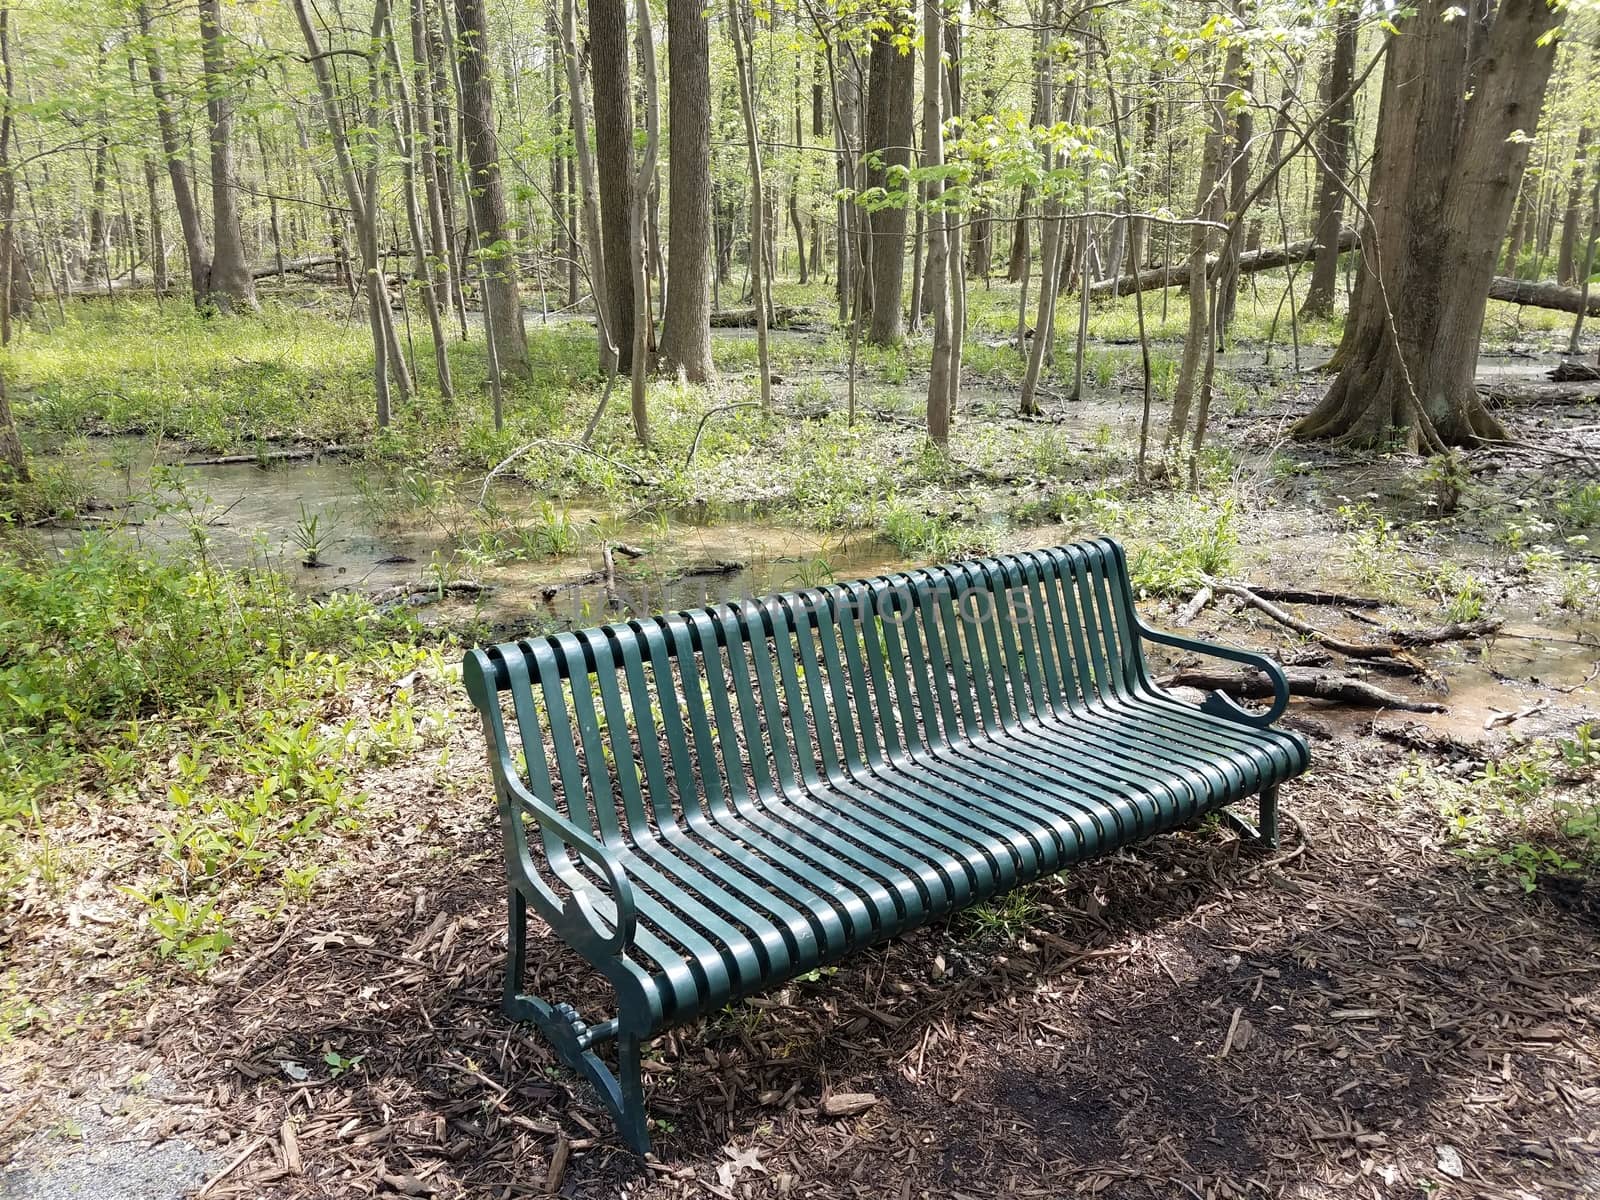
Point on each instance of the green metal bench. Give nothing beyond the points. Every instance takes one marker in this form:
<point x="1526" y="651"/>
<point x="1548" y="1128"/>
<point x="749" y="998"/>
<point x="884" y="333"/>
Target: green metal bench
<point x="744" y="793"/>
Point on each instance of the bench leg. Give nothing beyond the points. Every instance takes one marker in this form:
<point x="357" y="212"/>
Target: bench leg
<point x="573" y="1040"/>
<point x="1269" y="818"/>
<point x="1265" y="834"/>
<point x="516" y="945"/>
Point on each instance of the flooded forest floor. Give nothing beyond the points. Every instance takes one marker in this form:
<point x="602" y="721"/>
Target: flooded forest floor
<point x="254" y="914"/>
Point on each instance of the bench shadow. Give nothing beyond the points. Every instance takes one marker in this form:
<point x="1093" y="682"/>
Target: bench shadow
<point x="1063" y="1047"/>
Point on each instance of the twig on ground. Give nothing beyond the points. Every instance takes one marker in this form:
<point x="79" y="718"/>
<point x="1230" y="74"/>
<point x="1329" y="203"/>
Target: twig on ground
<point x="1498" y="718"/>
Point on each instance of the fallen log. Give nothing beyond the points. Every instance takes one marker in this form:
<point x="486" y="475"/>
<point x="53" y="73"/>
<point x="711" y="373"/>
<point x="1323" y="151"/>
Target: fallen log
<point x="1532" y="395"/>
<point x="1395" y="648"/>
<point x="1571" y="371"/>
<point x="297" y="454"/>
<point x="294" y="266"/>
<point x="415" y="595"/>
<point x="1177" y="274"/>
<point x="1542" y="295"/>
<point x="1308" y="596"/>
<point x="1455" y="631"/>
<point x="1312" y="684"/>
<point x="1512" y="291"/>
<point x="784" y="316"/>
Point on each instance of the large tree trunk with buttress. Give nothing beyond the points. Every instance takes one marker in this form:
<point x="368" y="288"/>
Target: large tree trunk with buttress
<point x="1444" y="181"/>
<point x="686" y="326"/>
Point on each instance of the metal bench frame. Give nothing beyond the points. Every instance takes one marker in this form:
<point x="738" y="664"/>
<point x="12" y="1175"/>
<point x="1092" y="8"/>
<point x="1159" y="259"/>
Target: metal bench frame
<point x="867" y="757"/>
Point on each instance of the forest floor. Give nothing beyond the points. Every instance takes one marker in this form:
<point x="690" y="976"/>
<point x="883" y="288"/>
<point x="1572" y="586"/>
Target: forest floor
<point x="1404" y="999"/>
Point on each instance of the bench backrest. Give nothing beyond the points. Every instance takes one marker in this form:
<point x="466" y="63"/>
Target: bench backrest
<point x="626" y="725"/>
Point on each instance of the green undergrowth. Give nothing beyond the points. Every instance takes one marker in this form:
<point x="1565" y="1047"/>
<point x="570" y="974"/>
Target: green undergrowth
<point x="1532" y="813"/>
<point x="204" y="726"/>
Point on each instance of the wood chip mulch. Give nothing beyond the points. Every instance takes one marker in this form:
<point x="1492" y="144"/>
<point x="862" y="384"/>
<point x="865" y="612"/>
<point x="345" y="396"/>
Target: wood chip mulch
<point x="1359" y="1014"/>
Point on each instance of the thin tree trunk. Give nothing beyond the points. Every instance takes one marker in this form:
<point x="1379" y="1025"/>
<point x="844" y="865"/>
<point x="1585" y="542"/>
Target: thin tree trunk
<point x="642" y="320"/>
<point x="1572" y="216"/>
<point x="194" y="238"/>
<point x="405" y="133"/>
<point x="747" y="105"/>
<point x="890" y="108"/>
<point x="428" y="131"/>
<point x="594" y="245"/>
<point x="941" y="383"/>
<point x="496" y="253"/>
<point x="232" y="285"/>
<point x="1333" y="152"/>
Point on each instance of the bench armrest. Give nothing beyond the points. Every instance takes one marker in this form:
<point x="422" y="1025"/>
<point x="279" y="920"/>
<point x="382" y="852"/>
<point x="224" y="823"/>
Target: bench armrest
<point x="1217" y="703"/>
<point x="575" y="918"/>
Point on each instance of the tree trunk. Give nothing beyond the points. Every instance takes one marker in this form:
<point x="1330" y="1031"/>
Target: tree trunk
<point x="1209" y="205"/>
<point x="406" y="136"/>
<point x="1333" y="153"/>
<point x="1050" y="223"/>
<point x="1572" y="217"/>
<point x="594" y="247"/>
<point x="613" y="140"/>
<point x="747" y="106"/>
<point x="361" y="197"/>
<point x="232" y="286"/>
<point x="891" y="95"/>
<point x="434" y="169"/>
<point x="941" y="380"/>
<point x="1443" y="186"/>
<point x="503" y="303"/>
<point x="194" y="237"/>
<point x="686" y="328"/>
<point x="643" y="323"/>
<point x="94" y="261"/>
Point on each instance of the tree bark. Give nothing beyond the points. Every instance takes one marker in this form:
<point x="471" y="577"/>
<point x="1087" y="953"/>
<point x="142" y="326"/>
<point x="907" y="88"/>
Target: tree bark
<point x="1443" y="185"/>
<point x="891" y="94"/>
<point x="941" y="375"/>
<point x="503" y="301"/>
<point x="1209" y="204"/>
<point x="613" y="140"/>
<point x="430" y="134"/>
<point x="642" y="320"/>
<point x="1572" y="216"/>
<point x="406" y="136"/>
<point x="1333" y="152"/>
<point x="232" y="286"/>
<point x="194" y="237"/>
<point x="747" y="106"/>
<point x="686" y="325"/>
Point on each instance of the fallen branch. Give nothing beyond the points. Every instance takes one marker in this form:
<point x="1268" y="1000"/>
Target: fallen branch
<point x="1497" y="718"/>
<point x="711" y="412"/>
<point x="1305" y="629"/>
<point x="1571" y="371"/>
<point x="415" y="595"/>
<point x="1395" y="648"/>
<point x="1304" y="596"/>
<point x="1192" y="609"/>
<point x="297" y="454"/>
<point x="1312" y="684"/>
<point x="1456" y="631"/>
